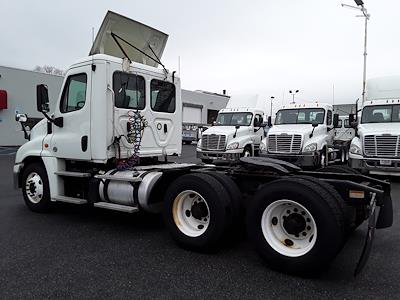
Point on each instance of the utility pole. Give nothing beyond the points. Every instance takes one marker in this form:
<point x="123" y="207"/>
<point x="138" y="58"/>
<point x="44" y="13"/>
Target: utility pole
<point x="360" y="6"/>
<point x="272" y="98"/>
<point x="293" y="93"/>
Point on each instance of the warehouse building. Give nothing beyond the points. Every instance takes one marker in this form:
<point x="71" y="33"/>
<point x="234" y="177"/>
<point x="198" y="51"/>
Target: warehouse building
<point x="18" y="94"/>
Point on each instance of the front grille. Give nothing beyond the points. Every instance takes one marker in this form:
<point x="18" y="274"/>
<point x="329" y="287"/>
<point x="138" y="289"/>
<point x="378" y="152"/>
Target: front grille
<point x="381" y="145"/>
<point x="284" y="143"/>
<point x="213" y="142"/>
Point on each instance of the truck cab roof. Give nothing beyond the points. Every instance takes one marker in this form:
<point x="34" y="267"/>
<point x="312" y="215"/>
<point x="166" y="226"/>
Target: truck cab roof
<point x="307" y="105"/>
<point x="241" y="109"/>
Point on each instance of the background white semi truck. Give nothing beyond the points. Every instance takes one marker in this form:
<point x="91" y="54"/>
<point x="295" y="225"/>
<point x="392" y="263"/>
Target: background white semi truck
<point x="237" y="132"/>
<point x="116" y="122"/>
<point x="304" y="135"/>
<point x="376" y="147"/>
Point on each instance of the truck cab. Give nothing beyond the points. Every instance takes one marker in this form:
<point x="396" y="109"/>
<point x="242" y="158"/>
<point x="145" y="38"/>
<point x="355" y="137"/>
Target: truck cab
<point x="375" y="147"/>
<point x="303" y="134"/>
<point x="236" y="132"/>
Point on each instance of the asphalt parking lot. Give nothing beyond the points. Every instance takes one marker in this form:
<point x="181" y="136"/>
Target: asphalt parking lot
<point x="78" y="253"/>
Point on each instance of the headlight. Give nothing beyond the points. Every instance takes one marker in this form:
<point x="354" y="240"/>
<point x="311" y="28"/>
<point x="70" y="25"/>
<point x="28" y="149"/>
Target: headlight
<point x="232" y="146"/>
<point x="199" y="144"/>
<point x="355" y="150"/>
<point x="310" y="148"/>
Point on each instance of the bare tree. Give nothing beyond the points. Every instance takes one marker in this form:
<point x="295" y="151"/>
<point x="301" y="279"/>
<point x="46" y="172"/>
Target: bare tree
<point x="49" y="70"/>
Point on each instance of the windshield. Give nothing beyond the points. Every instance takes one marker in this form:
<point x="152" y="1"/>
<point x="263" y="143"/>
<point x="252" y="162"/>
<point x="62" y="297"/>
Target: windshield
<point x="381" y="114"/>
<point x="300" y="116"/>
<point x="233" y="119"/>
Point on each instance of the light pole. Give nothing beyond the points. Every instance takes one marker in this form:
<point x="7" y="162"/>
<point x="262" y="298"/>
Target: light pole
<point x="272" y="98"/>
<point x="360" y="7"/>
<point x="293" y="93"/>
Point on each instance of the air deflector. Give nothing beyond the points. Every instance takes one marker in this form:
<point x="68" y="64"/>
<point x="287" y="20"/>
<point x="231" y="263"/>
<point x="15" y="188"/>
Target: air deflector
<point x="133" y="32"/>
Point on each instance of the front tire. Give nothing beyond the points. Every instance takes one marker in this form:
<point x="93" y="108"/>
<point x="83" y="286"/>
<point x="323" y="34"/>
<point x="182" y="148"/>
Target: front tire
<point x="35" y="188"/>
<point x="296" y="226"/>
<point x="247" y="152"/>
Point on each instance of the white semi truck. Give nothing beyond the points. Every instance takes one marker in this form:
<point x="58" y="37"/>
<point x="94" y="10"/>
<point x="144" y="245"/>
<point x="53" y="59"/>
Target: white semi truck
<point x="376" y="147"/>
<point x="116" y="122"/>
<point x="236" y="133"/>
<point x="304" y="135"/>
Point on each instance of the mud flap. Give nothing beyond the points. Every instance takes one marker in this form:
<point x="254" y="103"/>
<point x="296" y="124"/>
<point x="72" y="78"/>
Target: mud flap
<point x="369" y="238"/>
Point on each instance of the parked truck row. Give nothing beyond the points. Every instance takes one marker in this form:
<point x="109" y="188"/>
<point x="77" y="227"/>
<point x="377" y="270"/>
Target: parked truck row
<point x="119" y="117"/>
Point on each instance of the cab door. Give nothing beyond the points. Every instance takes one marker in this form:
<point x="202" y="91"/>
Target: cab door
<point x="72" y="140"/>
<point x="258" y="135"/>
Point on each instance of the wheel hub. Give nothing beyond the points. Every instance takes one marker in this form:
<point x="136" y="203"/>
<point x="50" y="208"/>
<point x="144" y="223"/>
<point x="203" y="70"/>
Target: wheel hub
<point x="199" y="210"/>
<point x="294" y="224"/>
<point x="34" y="188"/>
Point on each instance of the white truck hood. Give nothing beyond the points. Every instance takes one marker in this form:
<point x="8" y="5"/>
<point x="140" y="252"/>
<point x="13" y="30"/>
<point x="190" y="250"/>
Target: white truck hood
<point x="379" y="128"/>
<point x="135" y="33"/>
<point x="292" y="129"/>
<point x="226" y="130"/>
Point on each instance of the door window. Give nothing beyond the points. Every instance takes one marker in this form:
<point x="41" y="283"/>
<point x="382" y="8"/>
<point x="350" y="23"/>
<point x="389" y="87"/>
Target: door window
<point x="129" y="90"/>
<point x="74" y="94"/>
<point x="162" y="96"/>
<point x="258" y="120"/>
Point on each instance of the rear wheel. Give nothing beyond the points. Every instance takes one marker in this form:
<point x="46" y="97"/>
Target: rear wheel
<point x="35" y="188"/>
<point x="358" y="214"/>
<point x="197" y="211"/>
<point x="295" y="225"/>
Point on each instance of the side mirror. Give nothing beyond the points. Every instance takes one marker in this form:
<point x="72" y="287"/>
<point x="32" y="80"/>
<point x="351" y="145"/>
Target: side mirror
<point x="352" y="118"/>
<point x="237" y="127"/>
<point x="314" y="124"/>
<point x="353" y="121"/>
<point x="21" y="118"/>
<point x="269" y="121"/>
<point x="42" y="98"/>
<point x="336" y="120"/>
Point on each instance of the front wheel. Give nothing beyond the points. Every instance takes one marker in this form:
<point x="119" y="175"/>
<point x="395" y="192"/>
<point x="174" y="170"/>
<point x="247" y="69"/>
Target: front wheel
<point x="295" y="225"/>
<point x="247" y="152"/>
<point x="35" y="188"/>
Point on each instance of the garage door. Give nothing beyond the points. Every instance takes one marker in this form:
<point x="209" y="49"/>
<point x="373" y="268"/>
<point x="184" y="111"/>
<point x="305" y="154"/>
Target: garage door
<point x="192" y="115"/>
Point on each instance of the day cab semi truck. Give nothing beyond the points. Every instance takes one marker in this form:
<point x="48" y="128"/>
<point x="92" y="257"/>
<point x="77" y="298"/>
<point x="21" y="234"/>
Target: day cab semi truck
<point x="304" y="134"/>
<point x="236" y="133"/>
<point x="106" y="145"/>
<point x="376" y="147"/>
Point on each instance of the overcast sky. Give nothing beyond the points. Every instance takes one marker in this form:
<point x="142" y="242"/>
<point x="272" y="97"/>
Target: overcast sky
<point x="259" y="46"/>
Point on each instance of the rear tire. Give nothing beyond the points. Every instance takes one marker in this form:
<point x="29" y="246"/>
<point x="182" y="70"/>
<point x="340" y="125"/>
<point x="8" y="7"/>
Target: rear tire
<point x="358" y="214"/>
<point x="197" y="212"/>
<point x="35" y="188"/>
<point x="274" y="219"/>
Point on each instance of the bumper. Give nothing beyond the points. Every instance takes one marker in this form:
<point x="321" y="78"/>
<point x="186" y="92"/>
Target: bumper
<point x="16" y="171"/>
<point x="305" y="160"/>
<point x="231" y="155"/>
<point x="373" y="165"/>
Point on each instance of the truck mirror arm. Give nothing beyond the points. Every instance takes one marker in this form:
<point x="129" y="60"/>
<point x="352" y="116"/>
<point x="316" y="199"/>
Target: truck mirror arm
<point x="59" y="122"/>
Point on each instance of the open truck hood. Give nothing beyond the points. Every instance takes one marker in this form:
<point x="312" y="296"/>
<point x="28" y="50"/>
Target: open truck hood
<point x="137" y="34"/>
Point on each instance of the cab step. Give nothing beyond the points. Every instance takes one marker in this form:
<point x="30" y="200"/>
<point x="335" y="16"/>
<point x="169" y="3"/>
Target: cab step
<point x="72" y="174"/>
<point x="117" y="207"/>
<point x="66" y="199"/>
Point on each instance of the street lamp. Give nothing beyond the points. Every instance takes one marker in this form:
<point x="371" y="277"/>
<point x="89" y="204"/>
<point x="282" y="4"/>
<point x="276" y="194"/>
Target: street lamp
<point x="272" y="98"/>
<point x="293" y="93"/>
<point x="366" y="15"/>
